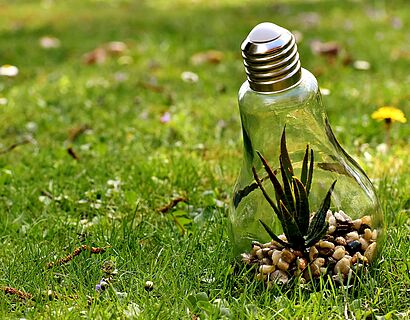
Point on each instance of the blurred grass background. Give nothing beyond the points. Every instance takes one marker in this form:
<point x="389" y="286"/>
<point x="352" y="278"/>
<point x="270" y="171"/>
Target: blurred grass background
<point x="142" y="133"/>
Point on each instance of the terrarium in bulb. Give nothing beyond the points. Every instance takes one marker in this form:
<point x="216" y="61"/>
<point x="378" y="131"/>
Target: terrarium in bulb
<point x="279" y="94"/>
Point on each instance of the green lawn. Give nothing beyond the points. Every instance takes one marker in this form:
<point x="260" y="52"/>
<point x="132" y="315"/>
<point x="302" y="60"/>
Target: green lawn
<point x="127" y="160"/>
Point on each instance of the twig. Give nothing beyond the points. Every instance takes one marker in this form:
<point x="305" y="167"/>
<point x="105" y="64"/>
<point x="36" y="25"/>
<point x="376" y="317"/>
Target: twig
<point x="172" y="204"/>
<point x="13" y="291"/>
<point x="72" y="153"/>
<point x="75" y="253"/>
<point x="14" y="145"/>
<point x="74" y="133"/>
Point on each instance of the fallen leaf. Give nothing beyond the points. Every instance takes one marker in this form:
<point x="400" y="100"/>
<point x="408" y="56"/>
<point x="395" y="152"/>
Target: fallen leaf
<point x="75" y="132"/>
<point x="329" y="49"/>
<point x="97" y="56"/>
<point x="210" y="56"/>
<point x="48" y="42"/>
<point x="8" y="70"/>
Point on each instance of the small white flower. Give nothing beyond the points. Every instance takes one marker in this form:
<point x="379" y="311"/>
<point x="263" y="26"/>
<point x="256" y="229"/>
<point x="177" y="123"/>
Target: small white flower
<point x="8" y="70"/>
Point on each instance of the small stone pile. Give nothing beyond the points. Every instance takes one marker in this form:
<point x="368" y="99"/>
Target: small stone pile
<point x="349" y="245"/>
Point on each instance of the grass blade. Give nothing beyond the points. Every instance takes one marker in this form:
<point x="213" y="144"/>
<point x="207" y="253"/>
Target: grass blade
<point x="272" y="235"/>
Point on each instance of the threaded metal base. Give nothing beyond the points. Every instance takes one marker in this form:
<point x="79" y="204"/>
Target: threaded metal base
<point x="271" y="58"/>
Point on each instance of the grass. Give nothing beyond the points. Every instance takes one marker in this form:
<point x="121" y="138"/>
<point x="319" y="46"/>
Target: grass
<point x="51" y="203"/>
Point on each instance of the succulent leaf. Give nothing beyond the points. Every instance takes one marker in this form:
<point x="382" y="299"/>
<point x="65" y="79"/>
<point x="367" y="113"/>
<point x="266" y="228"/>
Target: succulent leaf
<point x="272" y="235"/>
<point x="315" y="238"/>
<point x="319" y="219"/>
<point x="290" y="203"/>
<point x="310" y="173"/>
<point x="303" y="205"/>
<point x="280" y="195"/>
<point x="285" y="156"/>
<point x="265" y="194"/>
<point x="292" y="233"/>
<point x="303" y="176"/>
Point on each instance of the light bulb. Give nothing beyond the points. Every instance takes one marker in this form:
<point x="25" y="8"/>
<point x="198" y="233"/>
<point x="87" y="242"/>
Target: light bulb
<point x="278" y="95"/>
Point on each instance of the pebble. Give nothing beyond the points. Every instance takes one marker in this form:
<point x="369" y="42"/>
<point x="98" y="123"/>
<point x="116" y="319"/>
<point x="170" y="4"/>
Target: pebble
<point x="282" y="237"/>
<point x="301" y="263"/>
<point x="288" y="255"/>
<point x="370" y="252"/>
<point x="353" y="246"/>
<point x="351" y="236"/>
<point x="342" y="266"/>
<point x="357" y="224"/>
<point x="358" y="257"/>
<point x="265" y="251"/>
<point x="374" y="235"/>
<point x="266" y="261"/>
<point x="313" y="253"/>
<point x="364" y="243"/>
<point x="367" y="234"/>
<point x="342" y="216"/>
<point x="149" y="285"/>
<point x="341" y="241"/>
<point x="339" y="253"/>
<point x="266" y="269"/>
<point x="320" y="262"/>
<point x="332" y="229"/>
<point x="259" y="254"/>
<point x="261" y="276"/>
<point x="267" y="245"/>
<point x="276" y="256"/>
<point x="367" y="220"/>
<point x="332" y="221"/>
<point x="282" y="265"/>
<point x="279" y="276"/>
<point x="326" y="244"/>
<point x="255" y="248"/>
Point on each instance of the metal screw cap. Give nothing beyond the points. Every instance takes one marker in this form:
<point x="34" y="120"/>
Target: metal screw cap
<point x="271" y="58"/>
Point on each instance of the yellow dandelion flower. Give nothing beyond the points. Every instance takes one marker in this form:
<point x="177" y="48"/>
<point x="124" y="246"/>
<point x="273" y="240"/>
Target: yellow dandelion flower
<point x="389" y="114"/>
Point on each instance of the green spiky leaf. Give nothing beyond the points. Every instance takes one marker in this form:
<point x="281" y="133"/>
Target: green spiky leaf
<point x="285" y="156"/>
<point x="273" y="235"/>
<point x="265" y="194"/>
<point x="303" y="176"/>
<point x="319" y="220"/>
<point x="280" y="195"/>
<point x="290" y="203"/>
<point x="292" y="233"/>
<point x="310" y="173"/>
<point x="302" y="204"/>
<point x="315" y="238"/>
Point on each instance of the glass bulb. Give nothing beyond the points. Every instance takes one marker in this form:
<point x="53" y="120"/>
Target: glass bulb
<point x="277" y="94"/>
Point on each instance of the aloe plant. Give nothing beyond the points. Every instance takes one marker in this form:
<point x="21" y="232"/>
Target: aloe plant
<point x="292" y="203"/>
